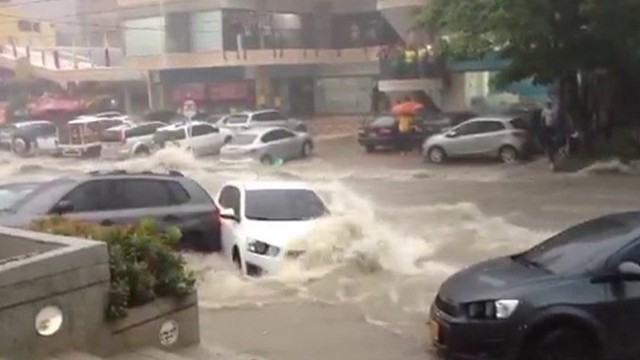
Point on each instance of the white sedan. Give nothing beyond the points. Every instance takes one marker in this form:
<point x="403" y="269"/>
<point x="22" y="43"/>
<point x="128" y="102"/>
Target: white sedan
<point x="261" y="219"/>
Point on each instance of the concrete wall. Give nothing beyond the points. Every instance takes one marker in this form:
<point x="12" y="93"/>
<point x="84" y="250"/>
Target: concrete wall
<point x="72" y="274"/>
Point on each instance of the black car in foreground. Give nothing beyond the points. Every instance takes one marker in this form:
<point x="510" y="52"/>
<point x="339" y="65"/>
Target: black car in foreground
<point x="576" y="296"/>
<point x="118" y="197"/>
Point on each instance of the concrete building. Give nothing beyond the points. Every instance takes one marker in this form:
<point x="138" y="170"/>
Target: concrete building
<point x="304" y="56"/>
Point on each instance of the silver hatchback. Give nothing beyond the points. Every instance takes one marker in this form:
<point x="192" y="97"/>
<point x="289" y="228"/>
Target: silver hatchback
<point x="267" y="145"/>
<point x="505" y="138"/>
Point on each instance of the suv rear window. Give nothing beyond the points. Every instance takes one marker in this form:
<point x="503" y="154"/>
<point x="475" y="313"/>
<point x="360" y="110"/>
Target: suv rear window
<point x="145" y="193"/>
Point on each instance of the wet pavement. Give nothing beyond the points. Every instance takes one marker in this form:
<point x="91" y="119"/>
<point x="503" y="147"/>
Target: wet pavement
<point x="400" y="227"/>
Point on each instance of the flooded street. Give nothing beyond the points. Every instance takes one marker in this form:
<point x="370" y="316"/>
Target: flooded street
<point x="398" y="228"/>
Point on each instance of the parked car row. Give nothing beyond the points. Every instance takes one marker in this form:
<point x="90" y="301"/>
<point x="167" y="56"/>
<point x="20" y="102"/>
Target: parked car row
<point x="116" y="136"/>
<point x="456" y="135"/>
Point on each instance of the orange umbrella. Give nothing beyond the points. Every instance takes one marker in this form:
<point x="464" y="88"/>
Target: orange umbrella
<point x="407" y="108"/>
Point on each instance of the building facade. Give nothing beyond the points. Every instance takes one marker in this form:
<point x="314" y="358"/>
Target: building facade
<point x="304" y="56"/>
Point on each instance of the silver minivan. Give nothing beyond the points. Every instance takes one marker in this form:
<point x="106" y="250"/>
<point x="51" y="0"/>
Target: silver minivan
<point x="505" y="138"/>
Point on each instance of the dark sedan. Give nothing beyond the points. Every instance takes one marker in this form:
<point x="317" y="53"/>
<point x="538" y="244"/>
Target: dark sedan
<point x="383" y="132"/>
<point x="575" y="296"/>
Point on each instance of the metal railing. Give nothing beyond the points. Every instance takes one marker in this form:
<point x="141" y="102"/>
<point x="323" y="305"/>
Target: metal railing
<point x="64" y="58"/>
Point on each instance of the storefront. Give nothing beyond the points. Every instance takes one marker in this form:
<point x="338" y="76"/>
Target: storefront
<point x="344" y="95"/>
<point x="217" y="97"/>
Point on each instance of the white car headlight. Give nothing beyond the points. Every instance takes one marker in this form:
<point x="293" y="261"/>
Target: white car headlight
<point x="262" y="248"/>
<point x="504" y="308"/>
<point x="498" y="309"/>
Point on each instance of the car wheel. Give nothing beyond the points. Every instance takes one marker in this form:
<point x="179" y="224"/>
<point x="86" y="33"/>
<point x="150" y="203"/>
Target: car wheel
<point x="562" y="344"/>
<point x="307" y="149"/>
<point x="370" y="148"/>
<point x="21" y="146"/>
<point x="266" y="160"/>
<point x="436" y="155"/>
<point x="142" y="152"/>
<point x="508" y="154"/>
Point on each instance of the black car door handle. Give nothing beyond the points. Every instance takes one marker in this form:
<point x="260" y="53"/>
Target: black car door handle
<point x="171" y="218"/>
<point x="107" y="222"/>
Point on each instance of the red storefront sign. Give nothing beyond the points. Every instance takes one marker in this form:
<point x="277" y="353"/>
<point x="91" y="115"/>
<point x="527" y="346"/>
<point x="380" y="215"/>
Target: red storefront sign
<point x="196" y="92"/>
<point x="236" y="90"/>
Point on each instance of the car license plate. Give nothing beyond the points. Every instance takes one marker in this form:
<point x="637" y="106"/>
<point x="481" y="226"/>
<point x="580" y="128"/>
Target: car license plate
<point x="433" y="332"/>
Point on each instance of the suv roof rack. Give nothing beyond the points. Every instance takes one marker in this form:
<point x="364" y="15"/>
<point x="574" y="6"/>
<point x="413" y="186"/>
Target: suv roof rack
<point x="124" y="172"/>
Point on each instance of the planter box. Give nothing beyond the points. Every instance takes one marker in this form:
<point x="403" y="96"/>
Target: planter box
<point x="166" y="323"/>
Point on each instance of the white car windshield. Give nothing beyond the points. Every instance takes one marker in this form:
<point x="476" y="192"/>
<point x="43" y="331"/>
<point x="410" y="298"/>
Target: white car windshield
<point x="283" y="205"/>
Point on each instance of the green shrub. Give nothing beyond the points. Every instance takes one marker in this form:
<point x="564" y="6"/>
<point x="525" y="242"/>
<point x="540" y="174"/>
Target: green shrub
<point x="142" y="262"/>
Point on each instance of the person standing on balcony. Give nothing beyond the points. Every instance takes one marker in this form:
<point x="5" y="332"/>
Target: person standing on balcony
<point x="238" y="30"/>
<point x="410" y="60"/>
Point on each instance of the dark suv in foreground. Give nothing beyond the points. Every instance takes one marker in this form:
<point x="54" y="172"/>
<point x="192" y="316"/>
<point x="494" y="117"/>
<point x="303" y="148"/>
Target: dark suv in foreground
<point x="119" y="197"/>
<point x="575" y="296"/>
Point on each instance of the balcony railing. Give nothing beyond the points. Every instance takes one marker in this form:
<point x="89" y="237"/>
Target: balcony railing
<point x="253" y="58"/>
<point x="64" y="64"/>
<point x="397" y="66"/>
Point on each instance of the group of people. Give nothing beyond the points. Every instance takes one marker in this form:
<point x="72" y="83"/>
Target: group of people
<point x="410" y="61"/>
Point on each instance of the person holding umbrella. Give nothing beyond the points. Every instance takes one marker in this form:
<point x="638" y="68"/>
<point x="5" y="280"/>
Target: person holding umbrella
<point x="404" y="112"/>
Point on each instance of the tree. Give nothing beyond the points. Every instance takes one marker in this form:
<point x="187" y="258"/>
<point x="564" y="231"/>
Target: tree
<point x="589" y="48"/>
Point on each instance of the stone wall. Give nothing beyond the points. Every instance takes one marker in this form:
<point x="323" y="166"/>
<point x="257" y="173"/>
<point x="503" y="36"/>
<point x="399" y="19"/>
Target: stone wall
<point x="72" y="275"/>
<point x="67" y="273"/>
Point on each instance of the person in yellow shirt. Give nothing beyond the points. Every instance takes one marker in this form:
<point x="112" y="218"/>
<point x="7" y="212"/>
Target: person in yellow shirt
<point x="405" y="127"/>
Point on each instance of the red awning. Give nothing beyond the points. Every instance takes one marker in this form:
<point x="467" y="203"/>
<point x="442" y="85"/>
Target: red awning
<point x="42" y="106"/>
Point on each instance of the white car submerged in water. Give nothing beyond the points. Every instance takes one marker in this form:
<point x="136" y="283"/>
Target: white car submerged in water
<point x="260" y="220"/>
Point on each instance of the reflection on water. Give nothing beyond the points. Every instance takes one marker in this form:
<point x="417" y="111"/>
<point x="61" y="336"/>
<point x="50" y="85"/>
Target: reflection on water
<point x="387" y="261"/>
